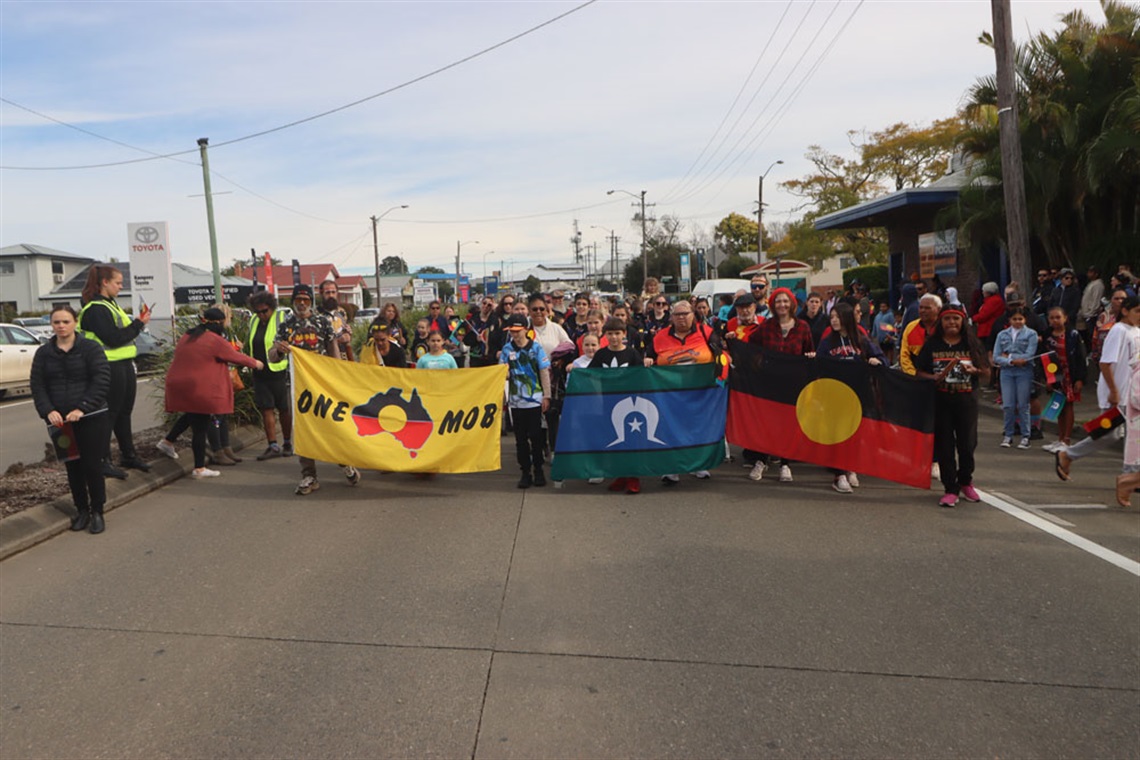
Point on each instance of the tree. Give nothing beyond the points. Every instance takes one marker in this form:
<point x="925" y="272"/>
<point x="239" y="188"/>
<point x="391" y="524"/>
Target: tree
<point x="429" y="270"/>
<point x="736" y="234"/>
<point x="1079" y="110"/>
<point x="904" y="155"/>
<point x="366" y="297"/>
<point x="393" y="265"/>
<point x="532" y="284"/>
<point x="732" y="266"/>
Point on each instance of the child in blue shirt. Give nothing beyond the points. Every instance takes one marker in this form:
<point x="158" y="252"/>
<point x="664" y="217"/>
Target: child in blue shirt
<point x="528" y="397"/>
<point x="436" y="357"/>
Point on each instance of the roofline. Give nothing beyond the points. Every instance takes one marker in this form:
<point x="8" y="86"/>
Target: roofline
<point x="915" y="196"/>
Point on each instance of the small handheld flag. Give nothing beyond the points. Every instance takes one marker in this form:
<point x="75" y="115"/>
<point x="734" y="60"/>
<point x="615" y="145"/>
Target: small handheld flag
<point x="1052" y="411"/>
<point x="1049" y="365"/>
<point x="1099" y="427"/>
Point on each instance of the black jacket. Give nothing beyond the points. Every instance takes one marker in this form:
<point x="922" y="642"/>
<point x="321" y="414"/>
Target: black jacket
<point x="66" y="380"/>
<point x="101" y="322"/>
<point x="1068" y="299"/>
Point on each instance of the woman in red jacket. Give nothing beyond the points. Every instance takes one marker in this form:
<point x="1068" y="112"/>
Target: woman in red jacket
<point x="198" y="382"/>
<point x="992" y="307"/>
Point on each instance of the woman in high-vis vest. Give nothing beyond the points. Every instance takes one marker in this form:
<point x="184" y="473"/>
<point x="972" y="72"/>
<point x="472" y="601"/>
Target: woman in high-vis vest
<point x="103" y="321"/>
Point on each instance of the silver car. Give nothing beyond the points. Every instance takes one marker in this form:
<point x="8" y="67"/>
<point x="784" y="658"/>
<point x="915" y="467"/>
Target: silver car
<point x="17" y="348"/>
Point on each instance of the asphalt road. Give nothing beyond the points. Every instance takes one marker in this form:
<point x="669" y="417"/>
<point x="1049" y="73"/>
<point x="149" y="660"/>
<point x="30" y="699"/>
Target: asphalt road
<point x="461" y="617"/>
<point x="23" y="437"/>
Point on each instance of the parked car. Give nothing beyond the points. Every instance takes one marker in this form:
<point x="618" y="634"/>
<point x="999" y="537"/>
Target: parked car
<point x="365" y="316"/>
<point x="151" y="352"/>
<point x="17" y="348"/>
<point x="38" y="326"/>
<point x="714" y="289"/>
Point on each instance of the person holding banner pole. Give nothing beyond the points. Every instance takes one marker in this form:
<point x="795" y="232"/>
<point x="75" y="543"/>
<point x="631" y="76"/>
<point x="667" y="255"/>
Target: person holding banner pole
<point x="70" y="379"/>
<point x="1066" y="345"/>
<point x="1120" y="347"/>
<point x="305" y="330"/>
<point x="528" y="397"/>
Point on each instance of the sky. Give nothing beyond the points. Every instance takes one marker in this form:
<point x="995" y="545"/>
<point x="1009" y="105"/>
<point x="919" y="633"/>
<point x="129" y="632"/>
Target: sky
<point x="500" y="154"/>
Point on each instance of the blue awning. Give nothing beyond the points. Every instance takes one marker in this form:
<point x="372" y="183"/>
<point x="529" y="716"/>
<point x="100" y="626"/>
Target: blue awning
<point x="876" y="212"/>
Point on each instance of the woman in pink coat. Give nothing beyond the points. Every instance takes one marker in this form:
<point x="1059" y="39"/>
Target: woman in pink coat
<point x="198" y="382"/>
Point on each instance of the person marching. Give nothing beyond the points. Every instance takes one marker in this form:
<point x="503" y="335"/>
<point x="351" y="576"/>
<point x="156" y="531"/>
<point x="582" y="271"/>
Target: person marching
<point x="847" y="342"/>
<point x="528" y="397"/>
<point x="198" y="381"/>
<point x="956" y="361"/>
<point x="1014" y="349"/>
<point x="1072" y="370"/>
<point x="70" y="380"/>
<point x="271" y="382"/>
<point x="616" y="354"/>
<point x="102" y="320"/>
<point x="305" y="330"/>
<point x="436" y="357"/>
<point x="785" y="334"/>
<point x="330" y="308"/>
<point x="382" y="349"/>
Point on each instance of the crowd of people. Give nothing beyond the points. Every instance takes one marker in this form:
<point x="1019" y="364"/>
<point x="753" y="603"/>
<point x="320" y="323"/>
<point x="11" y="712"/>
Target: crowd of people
<point x="85" y="378"/>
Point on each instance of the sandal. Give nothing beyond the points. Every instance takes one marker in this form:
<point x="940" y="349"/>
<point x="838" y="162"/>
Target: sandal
<point x="1062" y="472"/>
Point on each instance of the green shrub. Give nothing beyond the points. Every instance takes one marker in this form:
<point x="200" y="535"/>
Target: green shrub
<point x="874" y="276"/>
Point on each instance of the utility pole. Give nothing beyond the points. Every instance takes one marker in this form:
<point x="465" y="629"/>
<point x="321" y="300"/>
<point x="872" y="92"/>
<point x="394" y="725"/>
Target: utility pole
<point x="644" y="247"/>
<point x="458" y="245"/>
<point x="203" y="144"/>
<point x="376" y="245"/>
<point x="760" y="258"/>
<point x="1012" y="172"/>
<point x="577" y="241"/>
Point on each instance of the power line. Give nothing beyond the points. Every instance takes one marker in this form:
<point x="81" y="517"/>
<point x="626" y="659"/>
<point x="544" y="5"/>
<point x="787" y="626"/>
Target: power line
<point x="297" y="122"/>
<point x="688" y="172"/>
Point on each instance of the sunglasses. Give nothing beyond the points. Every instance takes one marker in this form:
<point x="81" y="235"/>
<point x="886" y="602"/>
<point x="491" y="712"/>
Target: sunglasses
<point x="760" y="286"/>
<point x="660" y="303"/>
<point x="302" y="299"/>
<point x="538" y="308"/>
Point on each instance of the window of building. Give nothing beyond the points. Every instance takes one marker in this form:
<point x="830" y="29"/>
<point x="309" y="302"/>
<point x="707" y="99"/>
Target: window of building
<point x="7" y="267"/>
<point x="57" y="267"/>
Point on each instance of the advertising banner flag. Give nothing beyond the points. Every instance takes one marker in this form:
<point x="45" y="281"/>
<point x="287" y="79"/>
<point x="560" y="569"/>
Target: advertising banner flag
<point x="842" y="414"/>
<point x="398" y="420"/>
<point x="633" y="421"/>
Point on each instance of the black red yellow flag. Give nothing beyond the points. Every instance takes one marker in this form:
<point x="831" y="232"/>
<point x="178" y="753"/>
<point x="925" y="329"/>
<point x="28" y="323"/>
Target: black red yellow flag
<point x="843" y="414"/>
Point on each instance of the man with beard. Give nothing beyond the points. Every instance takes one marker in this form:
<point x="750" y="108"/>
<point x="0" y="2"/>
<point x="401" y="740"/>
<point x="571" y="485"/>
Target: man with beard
<point x="306" y="330"/>
<point x="331" y="310"/>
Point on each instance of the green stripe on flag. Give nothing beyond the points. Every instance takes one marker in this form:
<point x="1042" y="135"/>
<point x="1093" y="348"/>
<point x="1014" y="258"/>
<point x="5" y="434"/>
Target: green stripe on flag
<point x="640" y="379"/>
<point x="622" y="464"/>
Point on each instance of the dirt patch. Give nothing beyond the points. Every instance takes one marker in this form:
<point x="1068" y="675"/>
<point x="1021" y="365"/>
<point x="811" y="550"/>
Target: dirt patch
<point x="28" y="485"/>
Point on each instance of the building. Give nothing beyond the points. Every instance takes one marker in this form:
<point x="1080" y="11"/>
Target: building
<point x="350" y="288"/>
<point x="191" y="286"/>
<point x="551" y="277"/>
<point x="29" y="274"/>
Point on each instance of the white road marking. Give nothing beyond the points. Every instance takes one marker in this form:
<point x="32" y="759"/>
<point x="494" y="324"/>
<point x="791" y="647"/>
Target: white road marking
<point x="1058" y="532"/>
<point x="1035" y="510"/>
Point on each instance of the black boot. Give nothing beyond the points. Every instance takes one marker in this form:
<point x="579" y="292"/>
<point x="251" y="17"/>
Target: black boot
<point x="133" y="462"/>
<point x="79" y="522"/>
<point x="539" y="478"/>
<point x="97" y="525"/>
<point x="111" y="471"/>
<point x="525" y="481"/>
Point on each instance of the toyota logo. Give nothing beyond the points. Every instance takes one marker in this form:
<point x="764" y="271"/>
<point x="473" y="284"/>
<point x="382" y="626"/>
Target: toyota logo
<point x="146" y="234"/>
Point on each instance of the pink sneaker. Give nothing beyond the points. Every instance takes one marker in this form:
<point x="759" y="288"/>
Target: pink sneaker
<point x="969" y="493"/>
<point x="948" y="500"/>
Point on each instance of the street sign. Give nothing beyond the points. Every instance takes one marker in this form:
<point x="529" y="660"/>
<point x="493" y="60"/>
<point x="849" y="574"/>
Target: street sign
<point x="491" y="285"/>
<point x="686" y="282"/>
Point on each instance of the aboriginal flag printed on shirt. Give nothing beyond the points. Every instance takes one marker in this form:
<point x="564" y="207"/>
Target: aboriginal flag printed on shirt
<point x="312" y="333"/>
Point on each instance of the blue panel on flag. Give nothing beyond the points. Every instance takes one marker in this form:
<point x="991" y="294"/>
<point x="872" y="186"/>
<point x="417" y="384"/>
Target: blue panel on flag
<point x="642" y="421"/>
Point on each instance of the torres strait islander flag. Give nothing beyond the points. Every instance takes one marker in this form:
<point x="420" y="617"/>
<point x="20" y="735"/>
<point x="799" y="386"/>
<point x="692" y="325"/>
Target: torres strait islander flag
<point x="842" y="414"/>
<point x="399" y="420"/>
<point x="634" y="421"/>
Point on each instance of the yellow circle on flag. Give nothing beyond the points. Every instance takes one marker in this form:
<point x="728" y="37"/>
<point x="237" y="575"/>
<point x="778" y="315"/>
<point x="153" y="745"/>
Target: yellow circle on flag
<point x="392" y="418"/>
<point x="828" y="411"/>
<point x="1051" y="367"/>
<point x="1106" y="423"/>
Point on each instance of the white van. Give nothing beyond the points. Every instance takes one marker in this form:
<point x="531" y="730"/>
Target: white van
<point x="713" y="289"/>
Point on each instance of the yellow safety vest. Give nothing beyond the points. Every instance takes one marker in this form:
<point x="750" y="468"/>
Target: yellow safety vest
<point x="270" y="335"/>
<point x="122" y="353"/>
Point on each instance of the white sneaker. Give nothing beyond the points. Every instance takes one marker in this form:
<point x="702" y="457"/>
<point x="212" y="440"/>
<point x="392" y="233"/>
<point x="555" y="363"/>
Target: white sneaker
<point x="852" y="480"/>
<point x="758" y="471"/>
<point x="840" y="484"/>
<point x="351" y="474"/>
<point x="1024" y="444"/>
<point x="1052" y="447"/>
<point x="596" y="481"/>
<point x="702" y="474"/>
<point x="935" y="472"/>
<point x="670" y="480"/>
<point x="166" y="447"/>
<point x="1006" y="442"/>
<point x="204" y="472"/>
<point x="785" y="474"/>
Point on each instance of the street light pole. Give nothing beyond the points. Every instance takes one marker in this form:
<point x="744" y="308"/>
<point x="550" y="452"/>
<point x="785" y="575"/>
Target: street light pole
<point x="760" y="258"/>
<point x="458" y="246"/>
<point x="376" y="245"/>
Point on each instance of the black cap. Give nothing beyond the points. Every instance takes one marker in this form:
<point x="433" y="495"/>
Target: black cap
<point x="302" y="290"/>
<point x="213" y="314"/>
<point x="516" y="321"/>
<point x="745" y="300"/>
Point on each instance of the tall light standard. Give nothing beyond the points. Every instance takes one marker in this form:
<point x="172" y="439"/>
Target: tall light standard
<point x="376" y="245"/>
<point x="644" y="250"/>
<point x="760" y="258"/>
<point x="458" y="246"/>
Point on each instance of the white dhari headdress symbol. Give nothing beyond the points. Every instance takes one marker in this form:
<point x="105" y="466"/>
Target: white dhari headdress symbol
<point x="628" y="406"/>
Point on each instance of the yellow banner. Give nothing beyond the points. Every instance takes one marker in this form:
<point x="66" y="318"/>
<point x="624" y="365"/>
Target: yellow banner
<point x="399" y="420"/>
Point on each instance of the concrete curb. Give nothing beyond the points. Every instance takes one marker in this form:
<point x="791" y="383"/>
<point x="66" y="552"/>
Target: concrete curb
<point x="26" y="529"/>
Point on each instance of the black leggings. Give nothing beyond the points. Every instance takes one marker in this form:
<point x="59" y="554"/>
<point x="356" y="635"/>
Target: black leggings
<point x="85" y="475"/>
<point x="217" y="432"/>
<point x="955" y="432"/>
<point x="529" y="438"/>
<point x="120" y="406"/>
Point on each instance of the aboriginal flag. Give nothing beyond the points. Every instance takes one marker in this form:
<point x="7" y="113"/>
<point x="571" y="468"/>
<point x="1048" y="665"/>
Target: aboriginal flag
<point x="842" y="414"/>
<point x="634" y="421"/>
<point x="1098" y="427"/>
